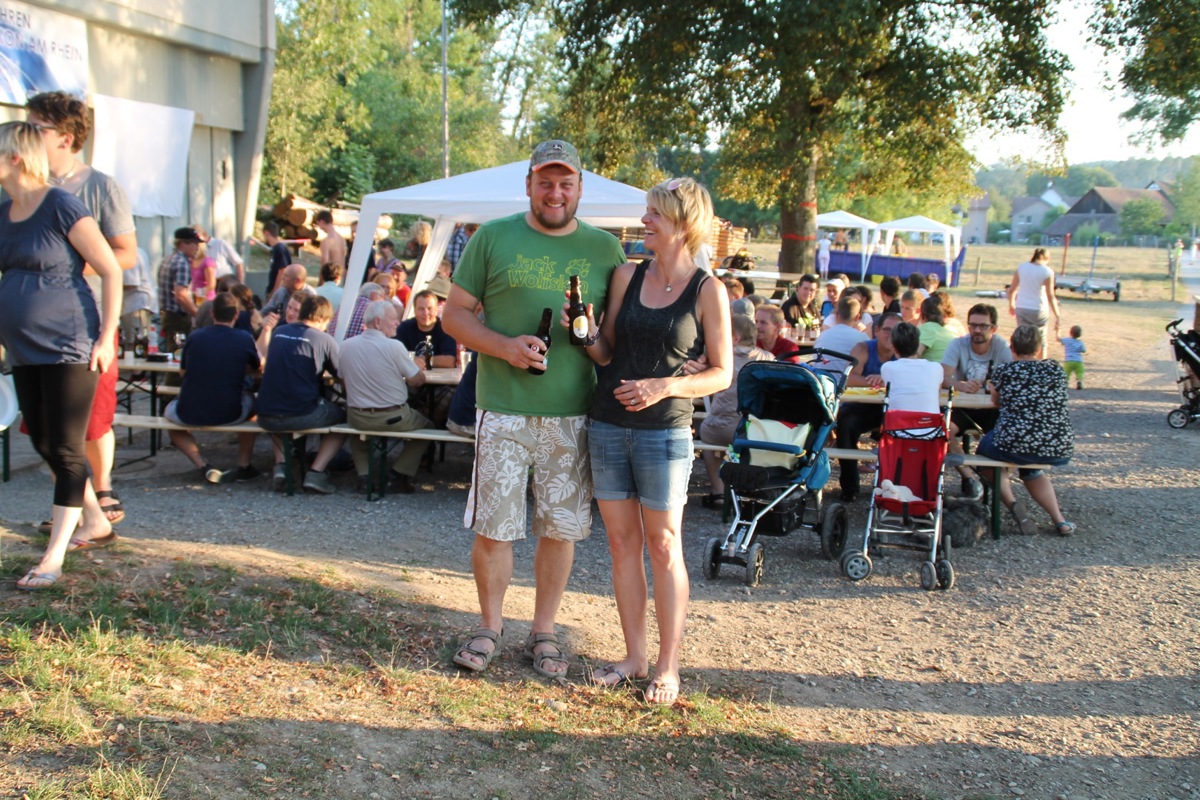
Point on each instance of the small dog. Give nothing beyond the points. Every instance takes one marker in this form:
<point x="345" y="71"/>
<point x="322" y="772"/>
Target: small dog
<point x="964" y="521"/>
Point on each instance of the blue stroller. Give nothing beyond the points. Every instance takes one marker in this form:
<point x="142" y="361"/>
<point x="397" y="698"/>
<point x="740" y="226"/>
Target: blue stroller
<point x="778" y="464"/>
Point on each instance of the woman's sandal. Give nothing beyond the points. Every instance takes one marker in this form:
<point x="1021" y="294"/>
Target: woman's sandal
<point x="1021" y="518"/>
<point x="662" y="693"/>
<point x="35" y="581"/>
<point x="91" y="544"/>
<point x="550" y="640"/>
<point x="484" y="656"/>
<point x="47" y="526"/>
<point x="716" y="501"/>
<point x="601" y="677"/>
<point x="112" y="509"/>
<point x="1064" y="528"/>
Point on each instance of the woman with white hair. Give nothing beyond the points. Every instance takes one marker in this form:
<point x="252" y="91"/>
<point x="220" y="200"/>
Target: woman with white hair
<point x="661" y="314"/>
<point x="57" y="340"/>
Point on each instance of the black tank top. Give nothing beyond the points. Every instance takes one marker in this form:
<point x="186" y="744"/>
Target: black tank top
<point x="651" y="343"/>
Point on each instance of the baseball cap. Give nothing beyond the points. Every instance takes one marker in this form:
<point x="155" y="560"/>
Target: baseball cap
<point x="838" y="282"/>
<point x="186" y="235"/>
<point x="555" y="151"/>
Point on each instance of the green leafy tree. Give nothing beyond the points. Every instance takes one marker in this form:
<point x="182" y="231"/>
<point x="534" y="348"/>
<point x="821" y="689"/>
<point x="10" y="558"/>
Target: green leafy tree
<point x="879" y="94"/>
<point x="1142" y="217"/>
<point x="1187" y="198"/>
<point x="347" y="174"/>
<point x="1078" y="181"/>
<point x="1052" y="215"/>
<point x="1159" y="42"/>
<point x="323" y="47"/>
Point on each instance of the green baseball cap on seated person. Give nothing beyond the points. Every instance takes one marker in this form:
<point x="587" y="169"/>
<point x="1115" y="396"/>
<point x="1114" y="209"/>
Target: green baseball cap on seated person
<point x="555" y="151"/>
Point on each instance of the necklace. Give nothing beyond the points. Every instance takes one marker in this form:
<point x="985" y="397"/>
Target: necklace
<point x="61" y="179"/>
<point x="670" y="287"/>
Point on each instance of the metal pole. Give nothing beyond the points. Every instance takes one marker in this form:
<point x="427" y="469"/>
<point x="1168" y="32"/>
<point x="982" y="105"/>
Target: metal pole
<point x="445" y="102"/>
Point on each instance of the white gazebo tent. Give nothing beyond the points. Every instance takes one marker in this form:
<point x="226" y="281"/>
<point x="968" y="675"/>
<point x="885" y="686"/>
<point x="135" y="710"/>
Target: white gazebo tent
<point x="918" y="224"/>
<point x="844" y="219"/>
<point x="475" y="197"/>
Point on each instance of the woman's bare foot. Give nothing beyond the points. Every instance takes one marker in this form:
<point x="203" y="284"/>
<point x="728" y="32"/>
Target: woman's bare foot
<point x="663" y="690"/>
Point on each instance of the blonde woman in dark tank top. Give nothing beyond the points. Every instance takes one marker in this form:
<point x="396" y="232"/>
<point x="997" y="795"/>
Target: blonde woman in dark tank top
<point x="660" y="315"/>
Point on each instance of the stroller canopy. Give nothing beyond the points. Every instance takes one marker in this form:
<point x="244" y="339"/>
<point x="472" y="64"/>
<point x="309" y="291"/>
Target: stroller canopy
<point x="788" y="392"/>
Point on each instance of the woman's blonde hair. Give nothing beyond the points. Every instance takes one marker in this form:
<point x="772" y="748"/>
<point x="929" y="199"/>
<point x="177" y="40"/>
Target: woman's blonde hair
<point x="687" y="204"/>
<point x="24" y="140"/>
<point x="422" y="232"/>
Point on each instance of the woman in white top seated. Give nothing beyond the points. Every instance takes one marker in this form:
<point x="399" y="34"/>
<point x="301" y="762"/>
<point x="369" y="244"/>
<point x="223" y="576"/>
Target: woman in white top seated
<point x="914" y="384"/>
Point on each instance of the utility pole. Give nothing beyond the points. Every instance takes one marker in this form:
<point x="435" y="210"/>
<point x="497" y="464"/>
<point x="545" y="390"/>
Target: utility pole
<point x="445" y="102"/>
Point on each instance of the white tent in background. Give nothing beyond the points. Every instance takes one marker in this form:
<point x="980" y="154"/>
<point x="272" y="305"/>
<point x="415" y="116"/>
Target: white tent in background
<point x="950" y="234"/>
<point x="844" y="219"/>
<point x="475" y="197"/>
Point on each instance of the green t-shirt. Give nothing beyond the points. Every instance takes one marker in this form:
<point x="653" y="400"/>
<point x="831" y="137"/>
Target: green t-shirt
<point x="516" y="272"/>
<point x="935" y="337"/>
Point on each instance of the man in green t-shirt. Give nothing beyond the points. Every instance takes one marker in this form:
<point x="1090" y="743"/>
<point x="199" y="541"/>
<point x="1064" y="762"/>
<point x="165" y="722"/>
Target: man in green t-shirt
<point x="516" y="267"/>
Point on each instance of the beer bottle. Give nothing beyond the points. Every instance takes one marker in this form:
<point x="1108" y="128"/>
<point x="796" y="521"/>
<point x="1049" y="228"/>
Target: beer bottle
<point x="577" y="314"/>
<point x="543" y="333"/>
<point x="428" y="351"/>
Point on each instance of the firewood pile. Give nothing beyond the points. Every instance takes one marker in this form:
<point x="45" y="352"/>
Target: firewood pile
<point x="295" y="217"/>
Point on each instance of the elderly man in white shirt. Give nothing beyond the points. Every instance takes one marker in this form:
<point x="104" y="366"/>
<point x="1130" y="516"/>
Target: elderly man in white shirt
<point x="378" y="372"/>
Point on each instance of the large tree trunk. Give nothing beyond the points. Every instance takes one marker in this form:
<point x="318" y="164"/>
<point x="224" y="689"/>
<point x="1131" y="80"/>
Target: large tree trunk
<point x="798" y="216"/>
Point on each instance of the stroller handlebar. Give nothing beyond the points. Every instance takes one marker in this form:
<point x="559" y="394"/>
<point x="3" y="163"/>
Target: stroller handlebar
<point x="1173" y="327"/>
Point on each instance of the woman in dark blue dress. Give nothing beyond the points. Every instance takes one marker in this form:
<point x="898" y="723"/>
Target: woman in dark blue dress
<point x="56" y="339"/>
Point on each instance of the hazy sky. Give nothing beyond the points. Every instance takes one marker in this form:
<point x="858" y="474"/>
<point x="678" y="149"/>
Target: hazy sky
<point x="1092" y="116"/>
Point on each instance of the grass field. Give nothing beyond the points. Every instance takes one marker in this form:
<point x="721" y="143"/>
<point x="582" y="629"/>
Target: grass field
<point x="202" y="682"/>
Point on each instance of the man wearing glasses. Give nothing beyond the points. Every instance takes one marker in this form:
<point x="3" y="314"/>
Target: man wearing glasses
<point x="968" y="365"/>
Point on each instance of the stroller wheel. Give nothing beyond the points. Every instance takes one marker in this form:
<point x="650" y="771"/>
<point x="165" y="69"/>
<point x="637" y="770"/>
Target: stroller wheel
<point x="945" y="575"/>
<point x="1178" y="418"/>
<point x="928" y="576"/>
<point x="712" y="559"/>
<point x="833" y="531"/>
<point x="856" y="566"/>
<point x="755" y="557"/>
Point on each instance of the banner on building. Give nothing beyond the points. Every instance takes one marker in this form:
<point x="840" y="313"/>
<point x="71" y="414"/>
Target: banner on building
<point x="40" y="51"/>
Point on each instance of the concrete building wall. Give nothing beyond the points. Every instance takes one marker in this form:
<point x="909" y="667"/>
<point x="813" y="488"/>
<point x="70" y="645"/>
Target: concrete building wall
<point x="213" y="57"/>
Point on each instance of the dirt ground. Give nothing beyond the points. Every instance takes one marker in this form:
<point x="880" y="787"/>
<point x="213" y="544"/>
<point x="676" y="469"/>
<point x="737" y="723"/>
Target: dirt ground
<point x="1056" y="668"/>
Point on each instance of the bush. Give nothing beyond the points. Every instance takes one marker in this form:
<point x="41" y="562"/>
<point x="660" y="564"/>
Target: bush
<point x="1086" y="234"/>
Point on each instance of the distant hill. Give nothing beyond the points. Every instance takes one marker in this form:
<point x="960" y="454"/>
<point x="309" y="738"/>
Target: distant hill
<point x="1135" y="173"/>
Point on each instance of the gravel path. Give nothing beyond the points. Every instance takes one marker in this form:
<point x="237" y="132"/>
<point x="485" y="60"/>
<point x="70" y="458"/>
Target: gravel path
<point x="1057" y="668"/>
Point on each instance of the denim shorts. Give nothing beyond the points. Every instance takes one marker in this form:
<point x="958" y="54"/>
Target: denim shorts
<point x="650" y="466"/>
<point x="989" y="450"/>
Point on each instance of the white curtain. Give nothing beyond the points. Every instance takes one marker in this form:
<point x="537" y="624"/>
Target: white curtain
<point x="145" y="147"/>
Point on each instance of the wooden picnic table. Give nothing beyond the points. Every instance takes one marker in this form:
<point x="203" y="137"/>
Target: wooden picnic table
<point x="857" y="394"/>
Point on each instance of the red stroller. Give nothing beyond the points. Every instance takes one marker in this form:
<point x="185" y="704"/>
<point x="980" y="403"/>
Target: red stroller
<point x="906" y="507"/>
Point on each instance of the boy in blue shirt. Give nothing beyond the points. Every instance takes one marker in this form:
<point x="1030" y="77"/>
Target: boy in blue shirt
<point x="1074" y="348"/>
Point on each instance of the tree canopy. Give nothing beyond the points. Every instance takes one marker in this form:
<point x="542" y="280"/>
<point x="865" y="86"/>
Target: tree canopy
<point x="356" y="101"/>
<point x="1159" y="44"/>
<point x="1142" y="216"/>
<point x="879" y="94"/>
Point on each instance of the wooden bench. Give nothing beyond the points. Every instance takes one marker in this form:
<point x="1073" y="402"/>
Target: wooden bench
<point x="377" y="469"/>
<point x="293" y="441"/>
<point x="966" y="460"/>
